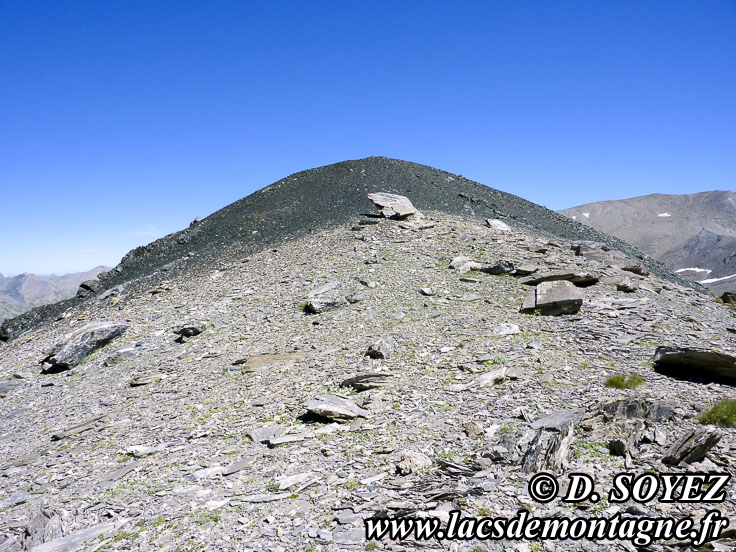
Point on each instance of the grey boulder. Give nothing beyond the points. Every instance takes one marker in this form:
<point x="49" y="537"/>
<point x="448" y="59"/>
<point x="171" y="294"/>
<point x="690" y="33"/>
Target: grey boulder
<point x="79" y="344"/>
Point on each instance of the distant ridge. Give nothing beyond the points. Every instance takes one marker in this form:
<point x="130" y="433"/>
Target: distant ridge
<point x="21" y="293"/>
<point x="325" y="197"/>
<point x="693" y="234"/>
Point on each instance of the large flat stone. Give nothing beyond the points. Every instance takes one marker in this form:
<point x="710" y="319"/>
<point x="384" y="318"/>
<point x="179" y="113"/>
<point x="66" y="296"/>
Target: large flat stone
<point x="695" y="363"/>
<point x="393" y="205"/>
<point x="577" y="277"/>
<point x="553" y="298"/>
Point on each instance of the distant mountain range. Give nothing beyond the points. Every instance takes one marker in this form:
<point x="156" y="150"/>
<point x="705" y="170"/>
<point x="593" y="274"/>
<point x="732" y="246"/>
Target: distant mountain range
<point x="25" y="291"/>
<point x="693" y="234"/>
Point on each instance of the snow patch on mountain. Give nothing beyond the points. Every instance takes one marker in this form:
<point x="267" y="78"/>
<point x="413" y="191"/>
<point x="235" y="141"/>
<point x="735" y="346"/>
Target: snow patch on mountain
<point x="711" y="280"/>
<point x="694" y="269"/>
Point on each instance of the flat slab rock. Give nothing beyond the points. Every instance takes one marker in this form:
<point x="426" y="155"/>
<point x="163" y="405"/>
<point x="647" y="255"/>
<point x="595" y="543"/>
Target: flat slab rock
<point x="693" y="362"/>
<point x="553" y="298"/>
<point x="393" y="205"/>
<point x="579" y="278"/>
<point x="79" y="344"/>
<point x="335" y="408"/>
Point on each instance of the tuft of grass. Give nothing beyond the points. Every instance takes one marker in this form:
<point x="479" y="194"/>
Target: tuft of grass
<point x="722" y="414"/>
<point x="630" y="381"/>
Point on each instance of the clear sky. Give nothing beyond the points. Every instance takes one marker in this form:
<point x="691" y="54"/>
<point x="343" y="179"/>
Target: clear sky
<point x="122" y="121"/>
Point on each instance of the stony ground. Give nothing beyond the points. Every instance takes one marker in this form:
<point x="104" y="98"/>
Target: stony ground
<point x="176" y="463"/>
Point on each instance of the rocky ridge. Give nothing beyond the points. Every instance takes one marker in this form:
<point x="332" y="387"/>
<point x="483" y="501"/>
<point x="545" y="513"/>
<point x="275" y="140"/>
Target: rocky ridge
<point x="323" y="198"/>
<point x="229" y="414"/>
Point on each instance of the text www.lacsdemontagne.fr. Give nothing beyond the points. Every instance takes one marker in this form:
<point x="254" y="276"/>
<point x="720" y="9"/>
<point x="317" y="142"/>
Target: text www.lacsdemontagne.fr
<point x="641" y="531"/>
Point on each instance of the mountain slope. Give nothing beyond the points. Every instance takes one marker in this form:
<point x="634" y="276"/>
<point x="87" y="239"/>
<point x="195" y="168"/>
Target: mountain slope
<point x="693" y="234"/>
<point x="166" y="440"/>
<point x="25" y="291"/>
<point x="322" y="198"/>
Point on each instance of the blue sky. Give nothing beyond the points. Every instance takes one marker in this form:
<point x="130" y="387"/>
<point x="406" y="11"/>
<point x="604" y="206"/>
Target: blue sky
<point x="122" y="121"/>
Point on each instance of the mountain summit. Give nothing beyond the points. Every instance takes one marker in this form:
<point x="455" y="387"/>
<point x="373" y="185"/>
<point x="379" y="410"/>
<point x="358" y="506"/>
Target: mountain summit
<point x="693" y="234"/>
<point x="321" y="198"/>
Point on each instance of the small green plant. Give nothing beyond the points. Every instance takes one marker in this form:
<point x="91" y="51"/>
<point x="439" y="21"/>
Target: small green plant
<point x="721" y="414"/>
<point x="485" y="512"/>
<point x="349" y="485"/>
<point x="629" y="381"/>
<point x="370" y="546"/>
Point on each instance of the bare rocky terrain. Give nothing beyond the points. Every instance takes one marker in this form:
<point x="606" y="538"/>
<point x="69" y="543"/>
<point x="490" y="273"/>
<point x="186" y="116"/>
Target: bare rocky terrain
<point x="271" y="397"/>
<point x="693" y="234"/>
<point x="21" y="293"/>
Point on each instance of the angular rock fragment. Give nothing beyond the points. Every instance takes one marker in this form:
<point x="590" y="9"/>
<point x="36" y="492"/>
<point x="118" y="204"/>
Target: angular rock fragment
<point x="79" y="428"/>
<point x="393" y="205"/>
<point x="88" y="287"/>
<point x="498" y="225"/>
<point x="79" y="344"/>
<point x="190" y="329"/>
<point x="631" y="408"/>
<point x="382" y="348"/>
<point x="525" y="269"/>
<point x="695" y="363"/>
<point x="506" y="329"/>
<point x="464" y="264"/>
<point x="634" y="268"/>
<point x="14" y="499"/>
<point x="650" y="285"/>
<point x="627" y="285"/>
<point x="75" y="541"/>
<point x="265" y="433"/>
<point x="238" y="465"/>
<point x="577" y="277"/>
<point x="487" y="378"/>
<point x="327" y="297"/>
<point x="262" y="363"/>
<point x="553" y="298"/>
<point x="411" y="461"/>
<point x="728" y="298"/>
<point x="499" y="267"/>
<point x="335" y="408"/>
<point x="550" y="448"/>
<point x="7" y="386"/>
<point x="145" y="379"/>
<point x="364" y="382"/>
<point x="692" y="447"/>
